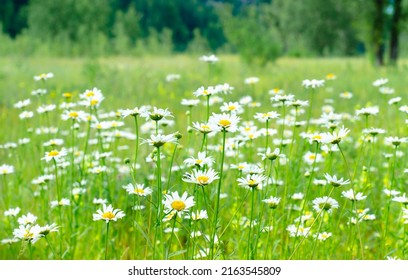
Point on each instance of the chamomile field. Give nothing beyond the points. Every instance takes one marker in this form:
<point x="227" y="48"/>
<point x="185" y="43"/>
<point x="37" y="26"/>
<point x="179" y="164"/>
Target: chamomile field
<point x="187" y="157"/>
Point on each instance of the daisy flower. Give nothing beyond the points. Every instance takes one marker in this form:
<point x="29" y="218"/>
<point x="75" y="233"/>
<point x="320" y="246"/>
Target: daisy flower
<point x="401" y="199"/>
<point x="368" y="111"/>
<point x="44" y="76"/>
<point x="297" y="231"/>
<point x="62" y="202"/>
<point x="45" y="230"/>
<point x="46" y="108"/>
<point x="276" y="91"/>
<point x="325" y="204"/>
<point x="22" y="103"/>
<point x="190" y="102"/>
<point x="172" y="77"/>
<point x="312" y="83"/>
<point x="380" y="82"/>
<point x="138" y="189"/>
<point x="199" y="215"/>
<point x="251" y="180"/>
<point x="352" y="196"/>
<point x="346" y="95"/>
<point x="271" y="155"/>
<point x="39" y="92"/>
<point x="386" y="90"/>
<point x="201" y="91"/>
<point x="224" y="122"/>
<point x="74" y="115"/>
<point x="336" y="182"/>
<point x="251" y="80"/>
<point x="26" y="115"/>
<point x="6" y="169"/>
<point x="12" y="212"/>
<point x="394" y="100"/>
<point x="209" y="58"/>
<point x="173" y="202"/>
<point x="232" y="107"/>
<point x="156" y="114"/>
<point x="54" y="142"/>
<point x="28" y="233"/>
<point x="28" y="219"/>
<point x="263" y="117"/>
<point x="201" y="160"/>
<point x="201" y="177"/>
<point x="159" y="139"/>
<point x="272" y="202"/>
<point x="331" y="76"/>
<point x="310" y="158"/>
<point x="323" y="236"/>
<point x="396" y="141"/>
<point x="101" y="201"/>
<point x="108" y="214"/>
<point x="55" y="155"/>
<point x="133" y="112"/>
<point x="336" y="137"/>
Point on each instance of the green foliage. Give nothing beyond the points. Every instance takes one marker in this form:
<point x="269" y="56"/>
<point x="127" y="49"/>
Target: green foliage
<point x="253" y="33"/>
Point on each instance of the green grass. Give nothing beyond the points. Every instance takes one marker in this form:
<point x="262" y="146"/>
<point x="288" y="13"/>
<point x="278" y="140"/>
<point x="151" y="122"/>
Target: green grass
<point x="129" y="82"/>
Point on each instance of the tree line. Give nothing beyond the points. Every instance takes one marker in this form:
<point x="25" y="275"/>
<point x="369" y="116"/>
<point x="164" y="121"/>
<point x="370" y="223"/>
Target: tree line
<point x="259" y="30"/>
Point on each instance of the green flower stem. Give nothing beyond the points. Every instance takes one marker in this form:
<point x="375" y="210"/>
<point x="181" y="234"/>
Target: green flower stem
<point x="106" y="241"/>
<point x="217" y="202"/>
<point x="249" y="248"/>
<point x="158" y="202"/>
<point x="136" y="144"/>
<point x="171" y="167"/>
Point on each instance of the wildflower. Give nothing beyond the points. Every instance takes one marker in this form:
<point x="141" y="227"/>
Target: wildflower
<point x="108" y="214"/>
<point x="46" y="108"/>
<point x="386" y="90"/>
<point x="225" y="122"/>
<point x="190" y="102"/>
<point x="99" y="201"/>
<point x="23" y="103"/>
<point x="373" y="131"/>
<point x="133" y="112"/>
<point x="159" y="139"/>
<point x="28" y="233"/>
<point x="298" y="103"/>
<point x="346" y="95"/>
<point x="394" y="100"/>
<point x="6" y="169"/>
<point x="336" y="137"/>
<point x="201" y="160"/>
<point x="271" y="155"/>
<point x="45" y="230"/>
<point x="401" y="199"/>
<point x="201" y="177"/>
<point x="312" y="83"/>
<point x="62" y="202"/>
<point x="39" y="92"/>
<point x="296" y="231"/>
<point x="251" y="180"/>
<point x="331" y="76"/>
<point x="352" y="196"/>
<point x="323" y="236"/>
<point x="138" y="189"/>
<point x="272" y="202"/>
<point x="368" y="111"/>
<point x="325" y="204"/>
<point x="12" y="212"/>
<point x="54" y="142"/>
<point x="172" y="77"/>
<point x="180" y="204"/>
<point x="55" y="155"/>
<point x="310" y="157"/>
<point x="91" y="98"/>
<point x="263" y="117"/>
<point x="26" y="115"/>
<point x="297" y="196"/>
<point x="41" y="180"/>
<point x="380" y="82"/>
<point x="44" y="76"/>
<point x="396" y="141"/>
<point x="157" y="114"/>
<point x="74" y="115"/>
<point x="404" y="108"/>
<point x="283" y="98"/>
<point x="28" y="219"/>
<point x="336" y="182"/>
<point x="232" y="107"/>
<point x="199" y="215"/>
<point x="209" y="58"/>
<point x="276" y="91"/>
<point x="251" y="80"/>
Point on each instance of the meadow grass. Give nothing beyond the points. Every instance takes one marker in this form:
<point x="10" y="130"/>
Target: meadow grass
<point x="240" y="225"/>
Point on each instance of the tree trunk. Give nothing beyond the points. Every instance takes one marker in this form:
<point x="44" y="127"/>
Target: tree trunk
<point x="378" y="32"/>
<point x="395" y="31"/>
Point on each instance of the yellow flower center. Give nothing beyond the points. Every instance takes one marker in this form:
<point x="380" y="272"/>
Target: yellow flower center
<point x="232" y="107"/>
<point x="90" y="94"/>
<point x="108" y="215"/>
<point x="139" y="191"/>
<point x="224" y="123"/>
<point x="53" y="153"/>
<point x="94" y="102"/>
<point x="28" y="235"/>
<point x="312" y="157"/>
<point x="205" y="92"/>
<point x="178" y="205"/>
<point x="317" y="137"/>
<point x="202" y="179"/>
<point x="67" y="95"/>
<point x="73" y="114"/>
<point x="198" y="161"/>
<point x="205" y="127"/>
<point x="252" y="183"/>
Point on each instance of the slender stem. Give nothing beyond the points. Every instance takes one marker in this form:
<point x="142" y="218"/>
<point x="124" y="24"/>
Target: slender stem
<point x="217" y="202"/>
<point x="106" y="241"/>
<point x="171" y="167"/>
<point x="316" y="238"/>
<point x="249" y="248"/>
<point x="158" y="202"/>
<point x="136" y="144"/>
<point x="171" y="237"/>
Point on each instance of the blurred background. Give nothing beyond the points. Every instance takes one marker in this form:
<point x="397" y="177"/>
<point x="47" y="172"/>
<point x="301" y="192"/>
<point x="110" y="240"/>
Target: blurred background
<point x="260" y="31"/>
